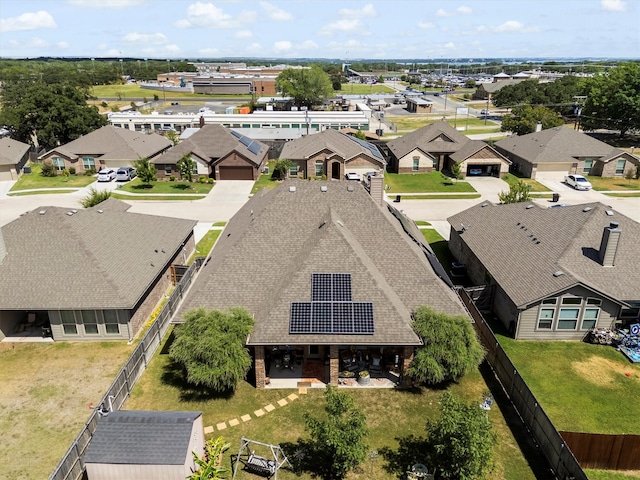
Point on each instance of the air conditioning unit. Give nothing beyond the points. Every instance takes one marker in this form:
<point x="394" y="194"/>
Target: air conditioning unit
<point x="292" y="188"/>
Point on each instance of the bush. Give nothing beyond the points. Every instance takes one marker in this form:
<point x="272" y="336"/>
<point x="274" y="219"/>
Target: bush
<point x="324" y="177"/>
<point x="90" y="171"/>
<point x="72" y="170"/>
<point x="172" y="178"/>
<point x="104" y="104"/>
<point x="65" y="173"/>
<point x="48" y="169"/>
<point x="202" y="179"/>
<point x="95" y="197"/>
<point x="210" y="181"/>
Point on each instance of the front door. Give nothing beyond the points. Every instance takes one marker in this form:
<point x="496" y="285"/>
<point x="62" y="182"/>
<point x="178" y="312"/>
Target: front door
<point x="335" y="170"/>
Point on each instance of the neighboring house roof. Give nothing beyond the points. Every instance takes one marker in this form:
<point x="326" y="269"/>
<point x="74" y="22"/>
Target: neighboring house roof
<point x="474" y="146"/>
<point x="523" y="247"/>
<point x="98" y="258"/>
<point x="267" y="253"/>
<point x="493" y="87"/>
<point x="214" y="142"/>
<point x="439" y="137"/>
<point x="133" y="437"/>
<point x="113" y="143"/>
<point x="352" y="131"/>
<point x="12" y="151"/>
<point x="340" y="144"/>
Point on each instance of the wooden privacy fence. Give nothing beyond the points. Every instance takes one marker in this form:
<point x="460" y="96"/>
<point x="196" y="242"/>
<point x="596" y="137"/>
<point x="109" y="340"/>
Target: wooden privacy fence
<point x="559" y="457"/>
<point x="604" y="451"/>
<point x="71" y="467"/>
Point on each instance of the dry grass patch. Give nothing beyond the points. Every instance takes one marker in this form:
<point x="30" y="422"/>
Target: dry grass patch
<point x="601" y="371"/>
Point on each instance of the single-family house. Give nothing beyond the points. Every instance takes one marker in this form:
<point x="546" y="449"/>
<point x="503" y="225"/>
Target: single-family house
<point x="13" y="156"/>
<point x="333" y="154"/>
<point x="106" y="147"/>
<point x="565" y="150"/>
<point x="551" y="273"/>
<point x="485" y="91"/>
<point x="87" y="274"/>
<point x="135" y="444"/>
<point x="438" y="146"/>
<point x="217" y="151"/>
<point x="327" y="272"/>
<point x="419" y="105"/>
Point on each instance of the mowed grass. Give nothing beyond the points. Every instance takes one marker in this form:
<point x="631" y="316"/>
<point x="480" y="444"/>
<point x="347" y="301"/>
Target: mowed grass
<point x="391" y="414"/>
<point x="46" y="392"/>
<point x="189" y="198"/>
<point x="204" y="246"/>
<point x="34" y="179"/>
<point x="409" y="123"/>
<point x="42" y="192"/>
<point x="363" y="89"/>
<point x="135" y="92"/>
<point x="177" y="187"/>
<point x="613" y="183"/>
<point x="511" y="179"/>
<point x="435" y="182"/>
<point x="439" y="246"/>
<point x="582" y="387"/>
<point x="265" y="180"/>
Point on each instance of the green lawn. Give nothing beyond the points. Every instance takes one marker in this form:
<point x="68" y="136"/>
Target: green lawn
<point x="582" y="387"/>
<point x="439" y="246"/>
<point x="42" y="192"/>
<point x="362" y="89"/>
<point x="264" y="180"/>
<point x="177" y="187"/>
<point x="135" y="92"/>
<point x="613" y="183"/>
<point x="511" y="179"/>
<point x="610" y="475"/>
<point x="424" y="182"/>
<point x="409" y="123"/>
<point x="454" y="196"/>
<point x="632" y="194"/>
<point x="204" y="246"/>
<point x="34" y="179"/>
<point x="390" y="414"/>
<point x="189" y="198"/>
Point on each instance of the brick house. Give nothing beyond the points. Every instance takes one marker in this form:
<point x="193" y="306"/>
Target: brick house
<point x="13" y="156"/>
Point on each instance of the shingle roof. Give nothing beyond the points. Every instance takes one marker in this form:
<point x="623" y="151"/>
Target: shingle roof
<point x="339" y="143"/>
<point x="11" y="151"/>
<point x="265" y="257"/>
<point x="213" y="142"/>
<point x="88" y="260"/>
<point x="504" y="239"/>
<point x="493" y="87"/>
<point x="439" y="137"/>
<point x="142" y="438"/>
<point x="113" y="143"/>
<point x="558" y="144"/>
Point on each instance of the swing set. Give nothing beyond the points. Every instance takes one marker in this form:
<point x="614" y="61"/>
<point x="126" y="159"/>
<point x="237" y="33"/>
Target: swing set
<point x="259" y="465"/>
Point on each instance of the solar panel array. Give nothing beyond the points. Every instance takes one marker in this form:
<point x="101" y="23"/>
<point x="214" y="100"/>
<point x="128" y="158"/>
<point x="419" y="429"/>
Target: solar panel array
<point x="331" y="310"/>
<point x="372" y="148"/>
<point x="252" y="145"/>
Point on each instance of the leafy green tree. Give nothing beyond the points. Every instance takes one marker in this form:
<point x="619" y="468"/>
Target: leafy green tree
<point x="307" y="86"/>
<point x="456" y="171"/>
<point x="461" y="441"/>
<point x="338" y="443"/>
<point x="173" y="136"/>
<point x="145" y="170"/>
<point x="210" y="346"/>
<point x="451" y="348"/>
<point x="185" y="167"/>
<point x="281" y="169"/>
<point x="558" y="96"/>
<point x="210" y="465"/>
<point x="48" y="170"/>
<point x="613" y="100"/>
<point x="95" y="197"/>
<point x="523" y="119"/>
<point x="360" y="135"/>
<point x="518" y="192"/>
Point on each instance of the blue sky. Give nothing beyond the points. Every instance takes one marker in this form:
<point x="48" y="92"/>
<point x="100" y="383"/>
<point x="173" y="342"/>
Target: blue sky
<point x="388" y="29"/>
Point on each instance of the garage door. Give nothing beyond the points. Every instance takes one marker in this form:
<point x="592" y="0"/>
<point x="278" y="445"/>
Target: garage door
<point x="554" y="167"/>
<point x="236" y="173"/>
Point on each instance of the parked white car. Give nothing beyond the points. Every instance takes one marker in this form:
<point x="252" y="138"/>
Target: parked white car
<point x="578" y="182"/>
<point x="106" y="175"/>
<point x="352" y="176"/>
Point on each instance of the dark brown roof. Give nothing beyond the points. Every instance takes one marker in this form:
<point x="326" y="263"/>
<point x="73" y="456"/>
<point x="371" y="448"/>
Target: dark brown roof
<point x="86" y="260"/>
<point x="266" y="255"/>
<point x="439" y="137"/>
<point x="12" y="151"/>
<point x="523" y="247"/>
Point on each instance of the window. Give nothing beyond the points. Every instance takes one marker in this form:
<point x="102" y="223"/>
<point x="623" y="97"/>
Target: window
<point x="137" y="127"/>
<point x="588" y="164"/>
<point x="167" y="169"/>
<point x="156" y="126"/>
<point x="594" y="301"/>
<point x="319" y="168"/>
<point x="293" y="170"/>
<point x="590" y="318"/>
<point x="545" y="319"/>
<point x="111" y="325"/>
<point x="90" y="322"/>
<point x="194" y="170"/>
<point x="58" y="163"/>
<point x="416" y="164"/>
<point x="571" y="301"/>
<point x="88" y="163"/>
<point x="620" y="166"/>
<point x="568" y="318"/>
<point x="68" y="320"/>
<point x="550" y="301"/>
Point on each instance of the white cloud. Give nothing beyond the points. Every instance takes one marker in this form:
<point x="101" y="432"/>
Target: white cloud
<point x="243" y="34"/>
<point x="33" y="42"/>
<point x="613" y="5"/>
<point x="100" y="4"/>
<point x="308" y="45"/>
<point x="62" y="45"/>
<point x="367" y="11"/>
<point x="209" y="51"/>
<point x="441" y="13"/>
<point x="426" y="25"/>
<point x="207" y="15"/>
<point x="345" y="25"/>
<point x="173" y="48"/>
<point x="449" y="45"/>
<point x="513" y="26"/>
<point x="146" y="38"/>
<point x="112" y="52"/>
<point x="461" y="10"/>
<point x="28" y="21"/>
<point x="282" y="46"/>
<point x="275" y="13"/>
<point x="464" y="10"/>
<point x="254" y="48"/>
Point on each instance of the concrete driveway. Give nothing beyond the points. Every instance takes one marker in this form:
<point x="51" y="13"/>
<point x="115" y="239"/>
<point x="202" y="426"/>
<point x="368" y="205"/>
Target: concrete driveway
<point x="5" y="186"/>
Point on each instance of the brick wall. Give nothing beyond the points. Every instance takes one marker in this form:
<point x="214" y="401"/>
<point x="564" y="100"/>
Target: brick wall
<point x="259" y="367"/>
<point x="334" y="365"/>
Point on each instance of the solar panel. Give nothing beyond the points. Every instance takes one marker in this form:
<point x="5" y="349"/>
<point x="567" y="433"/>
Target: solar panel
<point x="321" y="317"/>
<point x="300" y="318"/>
<point x="341" y="287"/>
<point x="321" y="287"/>
<point x="363" y="317"/>
<point x="372" y="148"/>
<point x="342" y="317"/>
<point x="252" y="145"/>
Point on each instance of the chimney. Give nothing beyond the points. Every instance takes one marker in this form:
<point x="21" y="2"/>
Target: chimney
<point x="538" y="127"/>
<point x="3" y="247"/>
<point x="201" y="121"/>
<point x="609" y="244"/>
<point x="376" y="188"/>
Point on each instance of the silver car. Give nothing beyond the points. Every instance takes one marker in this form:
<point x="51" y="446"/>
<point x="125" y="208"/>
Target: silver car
<point x="106" y="175"/>
<point x="125" y="174"/>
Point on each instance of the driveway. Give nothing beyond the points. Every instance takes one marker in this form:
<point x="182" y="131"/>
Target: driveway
<point x="5" y="186"/>
<point x="488" y="187"/>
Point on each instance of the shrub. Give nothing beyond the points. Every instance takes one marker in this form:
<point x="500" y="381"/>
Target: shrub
<point x="210" y="181"/>
<point x="104" y="104"/>
<point x="95" y="197"/>
<point x="324" y="177"/>
<point x="48" y="169"/>
<point x="172" y="178"/>
<point x="90" y="171"/>
<point x="65" y="173"/>
<point x="72" y="170"/>
<point x="202" y="179"/>
<point x="155" y="98"/>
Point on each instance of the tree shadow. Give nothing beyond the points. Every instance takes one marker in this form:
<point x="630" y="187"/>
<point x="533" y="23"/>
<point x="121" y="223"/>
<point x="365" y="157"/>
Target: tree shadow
<point x="411" y="450"/>
<point x="142" y="186"/>
<point x="182" y="186"/>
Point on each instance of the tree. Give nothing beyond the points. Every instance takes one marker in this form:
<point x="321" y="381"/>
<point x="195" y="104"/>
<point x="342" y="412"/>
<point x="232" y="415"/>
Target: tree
<point x="185" y="167"/>
<point x="173" y="136"/>
<point x="210" y="346"/>
<point x="613" y="100"/>
<point x="145" y="170"/>
<point x="524" y="119"/>
<point x="307" y="86"/>
<point x="461" y="441"/>
<point x="456" y="171"/>
<point x="558" y="96"/>
<point x="281" y="169"/>
<point x="338" y="443"/>
<point x="518" y="192"/>
<point x="451" y="348"/>
<point x="95" y="197"/>
<point x="210" y="465"/>
<point x="360" y="135"/>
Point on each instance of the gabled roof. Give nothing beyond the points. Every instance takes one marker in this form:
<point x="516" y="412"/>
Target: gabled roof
<point x="340" y="144"/>
<point x="439" y="137"/>
<point x="114" y="143"/>
<point x="267" y="253"/>
<point x="558" y="144"/>
<point x="133" y="437"/>
<point x="493" y="87"/>
<point x="12" y="151"/>
<point x="87" y="260"/>
<point x="213" y="142"/>
<point x="523" y="247"/>
<point x="474" y="146"/>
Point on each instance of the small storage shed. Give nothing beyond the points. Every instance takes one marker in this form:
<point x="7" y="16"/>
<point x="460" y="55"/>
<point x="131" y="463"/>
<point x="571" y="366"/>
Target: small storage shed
<point x="135" y="444"/>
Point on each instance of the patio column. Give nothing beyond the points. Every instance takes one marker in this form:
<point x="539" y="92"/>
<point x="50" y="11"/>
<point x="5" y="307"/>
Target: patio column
<point x="259" y="367"/>
<point x="407" y="358"/>
<point x="334" y="365"/>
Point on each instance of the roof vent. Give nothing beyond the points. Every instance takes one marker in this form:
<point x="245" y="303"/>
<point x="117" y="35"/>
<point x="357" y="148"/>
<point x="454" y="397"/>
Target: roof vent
<point x="484" y="205"/>
<point x="74" y="211"/>
<point x="349" y="188"/>
<point x="529" y="206"/>
<point x="609" y="213"/>
<point x="70" y="213"/>
<point x="323" y="188"/>
<point x="100" y="211"/>
<point x="292" y="188"/>
<point x="42" y="212"/>
<point x="558" y="273"/>
<point x="586" y="209"/>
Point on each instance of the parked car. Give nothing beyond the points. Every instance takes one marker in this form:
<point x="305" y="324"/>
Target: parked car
<point x="475" y="171"/>
<point x="578" y="182"/>
<point x="352" y="176"/>
<point x="106" y="175"/>
<point x="124" y="174"/>
<point x="484" y="111"/>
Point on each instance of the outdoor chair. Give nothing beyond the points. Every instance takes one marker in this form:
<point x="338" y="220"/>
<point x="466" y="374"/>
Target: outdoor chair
<point x="375" y="366"/>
